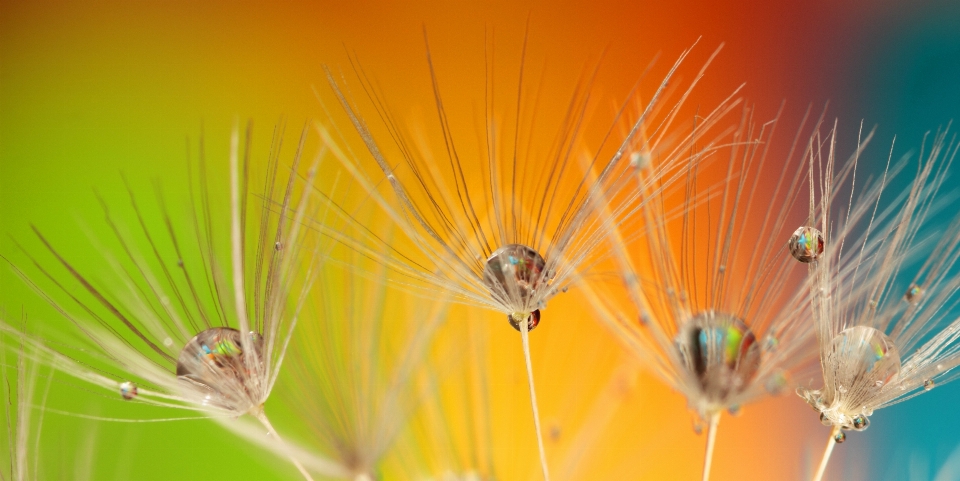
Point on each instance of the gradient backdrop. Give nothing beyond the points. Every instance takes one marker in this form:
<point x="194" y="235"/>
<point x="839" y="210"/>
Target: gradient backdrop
<point x="91" y="89"/>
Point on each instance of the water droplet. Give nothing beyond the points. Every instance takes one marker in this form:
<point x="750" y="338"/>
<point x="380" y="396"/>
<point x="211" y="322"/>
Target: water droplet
<point x="532" y="318"/>
<point x="913" y="294"/>
<point x="825" y="420"/>
<point x="639" y="160"/>
<point x="128" y="390"/>
<point x="168" y="342"/>
<point x="514" y="273"/>
<point x="940" y="367"/>
<point x="806" y="244"/>
<point x="840" y="437"/>
<point x="214" y="370"/>
<point x="734" y="410"/>
<point x="860" y="422"/>
<point x="928" y="384"/>
<point x="721" y="351"/>
<point x="277" y="246"/>
<point x="179" y="262"/>
<point x="698" y="427"/>
<point x="722" y="268"/>
<point x="864" y="360"/>
<point x="555" y="432"/>
<point x="770" y="343"/>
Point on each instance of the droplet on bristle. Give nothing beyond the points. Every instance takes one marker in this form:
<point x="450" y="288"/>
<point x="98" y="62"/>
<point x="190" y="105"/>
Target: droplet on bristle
<point x="840" y="437"/>
<point x="179" y="262"/>
<point x="168" y="342"/>
<point x="697" y="427"/>
<point x="277" y="246"/>
<point x="913" y="294"/>
<point x="214" y="370"/>
<point x="776" y="383"/>
<point x="128" y="390"/>
<point x="860" y="422"/>
<point x="825" y="420"/>
<point x="734" y="410"/>
<point x="806" y="244"/>
<point x="928" y="384"/>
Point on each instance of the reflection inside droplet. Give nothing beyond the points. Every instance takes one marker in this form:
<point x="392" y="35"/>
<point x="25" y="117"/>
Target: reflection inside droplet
<point x="721" y="351"/>
<point x="216" y="371"/>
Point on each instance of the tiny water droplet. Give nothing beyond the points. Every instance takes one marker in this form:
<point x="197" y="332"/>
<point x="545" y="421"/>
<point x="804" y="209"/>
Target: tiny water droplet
<point x="840" y="437"/>
<point x="860" y="422"/>
<point x="843" y="389"/>
<point x="128" y="390"/>
<point x="806" y="244"/>
<point x="825" y="420"/>
<point x="278" y="246"/>
<point x="913" y="294"/>
<point x="179" y="262"/>
<point x="878" y="384"/>
<point x="928" y="384"/>
<point x="940" y="367"/>
<point x="168" y="342"/>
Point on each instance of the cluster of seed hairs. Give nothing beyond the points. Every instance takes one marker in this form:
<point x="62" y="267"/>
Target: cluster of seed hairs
<point x="182" y="325"/>
<point x="885" y="288"/>
<point x="495" y="228"/>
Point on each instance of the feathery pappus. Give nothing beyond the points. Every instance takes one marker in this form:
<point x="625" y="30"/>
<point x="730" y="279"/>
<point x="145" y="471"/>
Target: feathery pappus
<point x="504" y="222"/>
<point x="707" y="295"/>
<point x="885" y="286"/>
<point x="179" y="324"/>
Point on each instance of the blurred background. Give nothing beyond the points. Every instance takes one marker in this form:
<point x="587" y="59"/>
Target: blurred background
<point x="92" y="89"/>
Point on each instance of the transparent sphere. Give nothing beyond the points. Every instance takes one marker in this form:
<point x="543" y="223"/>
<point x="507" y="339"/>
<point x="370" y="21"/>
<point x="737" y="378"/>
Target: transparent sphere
<point x="532" y="318"/>
<point x="214" y="369"/>
<point x="721" y="351"/>
<point x="913" y="293"/>
<point x="128" y="390"/>
<point x="864" y="360"/>
<point x="840" y="437"/>
<point x="860" y="422"/>
<point x="514" y="273"/>
<point x="806" y="244"/>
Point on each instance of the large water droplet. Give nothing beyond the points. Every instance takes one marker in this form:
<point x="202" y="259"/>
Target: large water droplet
<point x="721" y="351"/>
<point x="860" y="422"/>
<point x="216" y="371"/>
<point x="514" y="273"/>
<point x="840" y="437"/>
<point x="532" y="318"/>
<point x="864" y="359"/>
<point x="806" y="244"/>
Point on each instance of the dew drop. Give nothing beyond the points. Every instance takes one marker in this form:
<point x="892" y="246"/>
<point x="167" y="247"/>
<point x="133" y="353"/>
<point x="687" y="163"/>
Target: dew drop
<point x="179" y="262"/>
<point x="514" y="273"/>
<point x="864" y="360"/>
<point x="168" y="342"/>
<point x="776" y="383"/>
<point x="721" y="352"/>
<point x="928" y="384"/>
<point x="825" y="420"/>
<point x="840" y="437"/>
<point x="697" y="427"/>
<point x="806" y="244"/>
<point x="533" y="319"/>
<point x="913" y="294"/>
<point x="277" y="246"/>
<point x="734" y="410"/>
<point x="939" y="367"/>
<point x="128" y="390"/>
<point x="213" y="369"/>
<point x="860" y="422"/>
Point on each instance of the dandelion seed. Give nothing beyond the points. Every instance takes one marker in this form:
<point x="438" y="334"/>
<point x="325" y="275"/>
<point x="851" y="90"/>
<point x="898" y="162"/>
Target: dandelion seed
<point x="175" y="336"/>
<point x="716" y="276"/>
<point x="876" y="350"/>
<point x="536" y="222"/>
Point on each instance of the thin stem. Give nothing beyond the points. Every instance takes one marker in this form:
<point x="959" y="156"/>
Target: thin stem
<point x="524" y="335"/>
<point x="831" y="442"/>
<point x="273" y="433"/>
<point x="711" y="441"/>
